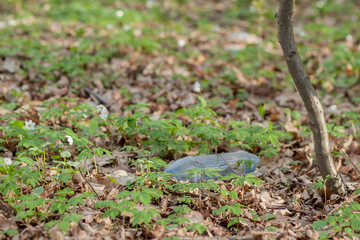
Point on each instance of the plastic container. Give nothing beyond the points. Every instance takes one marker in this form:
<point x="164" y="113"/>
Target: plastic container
<point x="225" y="161"/>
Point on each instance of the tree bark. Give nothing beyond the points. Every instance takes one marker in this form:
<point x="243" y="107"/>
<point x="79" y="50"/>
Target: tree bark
<point x="309" y="97"/>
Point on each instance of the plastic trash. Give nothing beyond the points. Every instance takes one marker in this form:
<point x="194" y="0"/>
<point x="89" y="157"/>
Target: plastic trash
<point x="225" y="161"/>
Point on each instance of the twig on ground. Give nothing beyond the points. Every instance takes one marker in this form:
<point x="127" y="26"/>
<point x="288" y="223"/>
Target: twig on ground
<point x="97" y="96"/>
<point x="92" y="188"/>
<point x="346" y="156"/>
<point x="343" y="203"/>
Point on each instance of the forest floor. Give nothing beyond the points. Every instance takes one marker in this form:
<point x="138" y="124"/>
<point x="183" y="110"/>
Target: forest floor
<point x="119" y="89"/>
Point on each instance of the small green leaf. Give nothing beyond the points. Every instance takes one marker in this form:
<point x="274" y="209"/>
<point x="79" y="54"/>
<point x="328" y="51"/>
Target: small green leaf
<point x="94" y="123"/>
<point x="55" y="157"/>
<point x="233" y="194"/>
<point x="65" y="154"/>
<point x="268" y="217"/>
<point x="355" y="224"/>
<point x="224" y="192"/>
<point x="324" y="235"/>
<point x="271" y="229"/>
<point x="18" y="124"/>
<point x="10" y="232"/>
<point x="49" y="225"/>
<point x="350" y="232"/>
<point x="198" y="227"/>
<point x="38" y="191"/>
<point x="64" y="225"/>
<point x="270" y="126"/>
<point x="233" y="222"/>
<point x="75" y="217"/>
<point x="296" y="115"/>
<point x="27" y="160"/>
<point x="203" y="101"/>
<point x="111" y="179"/>
<point x="318" y="225"/>
<point x="262" y="110"/>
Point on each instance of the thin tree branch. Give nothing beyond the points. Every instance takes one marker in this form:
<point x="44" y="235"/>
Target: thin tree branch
<point x="92" y="188"/>
<point x="345" y="155"/>
<point x="343" y="203"/>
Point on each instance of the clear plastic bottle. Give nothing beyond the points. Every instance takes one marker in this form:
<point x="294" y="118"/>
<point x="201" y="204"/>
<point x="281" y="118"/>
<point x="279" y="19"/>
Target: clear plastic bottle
<point x="225" y="161"/>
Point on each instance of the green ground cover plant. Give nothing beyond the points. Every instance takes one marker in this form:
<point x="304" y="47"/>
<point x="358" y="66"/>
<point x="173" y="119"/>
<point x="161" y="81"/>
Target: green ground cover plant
<point x="143" y="58"/>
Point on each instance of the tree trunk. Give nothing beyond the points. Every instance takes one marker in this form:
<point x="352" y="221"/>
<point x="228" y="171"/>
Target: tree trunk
<point x="307" y="92"/>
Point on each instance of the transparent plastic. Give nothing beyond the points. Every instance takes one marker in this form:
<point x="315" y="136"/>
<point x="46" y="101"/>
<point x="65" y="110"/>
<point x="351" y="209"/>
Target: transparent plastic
<point x="228" y="162"/>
